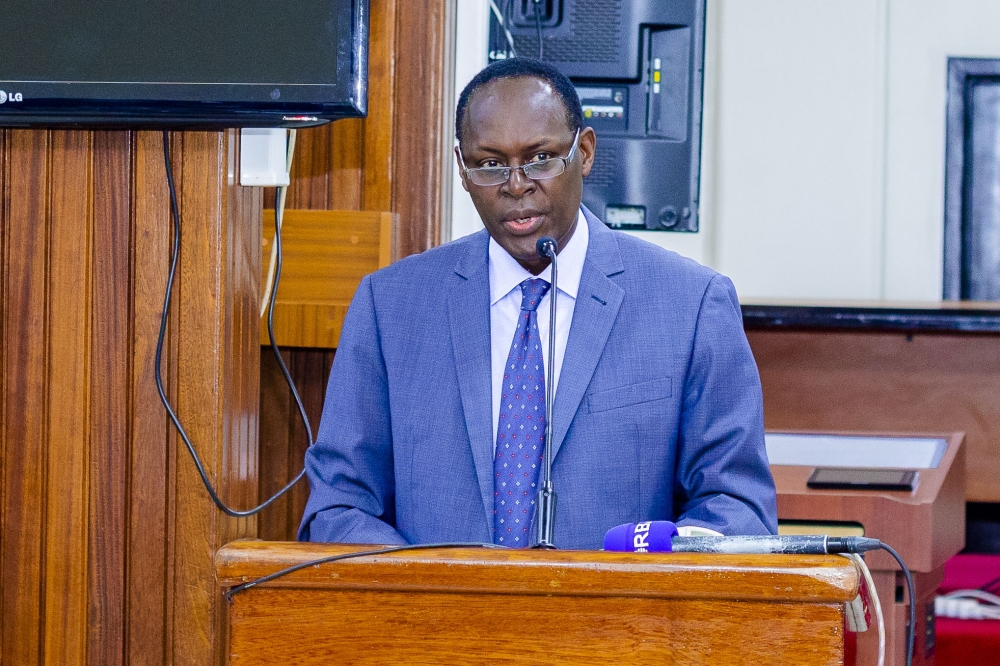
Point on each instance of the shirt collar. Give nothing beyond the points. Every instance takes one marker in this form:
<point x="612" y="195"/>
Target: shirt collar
<point x="506" y="274"/>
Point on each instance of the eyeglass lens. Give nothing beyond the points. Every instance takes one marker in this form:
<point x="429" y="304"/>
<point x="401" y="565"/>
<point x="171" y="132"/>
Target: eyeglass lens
<point x="534" y="170"/>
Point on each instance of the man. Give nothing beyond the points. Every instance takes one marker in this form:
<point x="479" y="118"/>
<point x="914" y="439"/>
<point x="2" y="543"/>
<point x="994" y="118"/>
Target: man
<point x="432" y="425"/>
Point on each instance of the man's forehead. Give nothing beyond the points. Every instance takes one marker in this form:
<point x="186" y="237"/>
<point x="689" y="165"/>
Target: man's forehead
<point x="526" y="90"/>
<point x="523" y="105"/>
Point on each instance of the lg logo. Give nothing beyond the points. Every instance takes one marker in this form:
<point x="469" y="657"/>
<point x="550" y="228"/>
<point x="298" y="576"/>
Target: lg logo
<point x="12" y="97"/>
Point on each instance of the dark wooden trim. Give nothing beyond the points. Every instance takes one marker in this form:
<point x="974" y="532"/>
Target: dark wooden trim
<point x="973" y="318"/>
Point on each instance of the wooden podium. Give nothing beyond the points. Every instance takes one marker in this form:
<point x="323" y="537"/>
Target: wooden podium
<point x="926" y="526"/>
<point x="461" y="606"/>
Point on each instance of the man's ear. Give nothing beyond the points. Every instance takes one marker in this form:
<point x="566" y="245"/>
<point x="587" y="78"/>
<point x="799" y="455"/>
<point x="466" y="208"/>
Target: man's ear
<point x="587" y="148"/>
<point x="461" y="171"/>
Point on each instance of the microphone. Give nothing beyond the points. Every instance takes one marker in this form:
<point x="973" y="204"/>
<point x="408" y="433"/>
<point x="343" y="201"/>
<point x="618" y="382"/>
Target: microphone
<point x="546" y="247"/>
<point x="653" y="536"/>
<point x="660" y="536"/>
<point x="545" y="505"/>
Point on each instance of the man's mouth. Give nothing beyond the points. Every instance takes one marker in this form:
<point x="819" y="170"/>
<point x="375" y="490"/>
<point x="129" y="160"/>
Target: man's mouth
<point x="523" y="225"/>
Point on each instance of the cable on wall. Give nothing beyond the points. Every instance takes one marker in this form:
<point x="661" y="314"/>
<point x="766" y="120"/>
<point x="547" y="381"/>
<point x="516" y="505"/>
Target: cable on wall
<point x="538" y="26"/>
<point x="503" y="26"/>
<point x="279" y="216"/>
<point x="174" y="259"/>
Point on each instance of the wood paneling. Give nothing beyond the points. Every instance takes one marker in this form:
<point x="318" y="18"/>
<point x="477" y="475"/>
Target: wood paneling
<point x="563" y="607"/>
<point x="398" y="159"/>
<point x="325" y="254"/>
<point x="106" y="534"/>
<point x="24" y="401"/>
<point x="888" y="382"/>
<point x="151" y="516"/>
<point x="68" y="471"/>
<point x="421" y="152"/>
<point x="283" y="438"/>
<point x="89" y="464"/>
<point x="109" y="399"/>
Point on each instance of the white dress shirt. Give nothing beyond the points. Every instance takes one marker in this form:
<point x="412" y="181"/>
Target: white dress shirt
<point x="506" y="276"/>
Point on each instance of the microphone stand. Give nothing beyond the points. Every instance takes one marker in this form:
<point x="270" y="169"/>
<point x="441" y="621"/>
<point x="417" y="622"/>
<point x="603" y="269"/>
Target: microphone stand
<point x="545" y="511"/>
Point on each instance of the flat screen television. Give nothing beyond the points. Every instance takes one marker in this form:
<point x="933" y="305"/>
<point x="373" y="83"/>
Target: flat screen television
<point x="184" y="63"/>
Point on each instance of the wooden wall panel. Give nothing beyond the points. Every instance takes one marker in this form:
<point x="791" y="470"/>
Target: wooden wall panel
<point x="379" y="136"/>
<point x="108" y="400"/>
<point x="68" y="470"/>
<point x="423" y="92"/>
<point x="211" y="340"/>
<point x="24" y="400"/>
<point x="151" y="543"/>
<point x="106" y="534"/>
<point x="883" y="382"/>
<point x="398" y="159"/>
<point x="282" y="436"/>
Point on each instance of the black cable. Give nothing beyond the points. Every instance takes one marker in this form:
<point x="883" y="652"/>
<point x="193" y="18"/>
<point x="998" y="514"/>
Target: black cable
<point x="174" y="258"/>
<point x="990" y="586"/>
<point x="911" y="629"/>
<point x="346" y="556"/>
<point x="538" y="25"/>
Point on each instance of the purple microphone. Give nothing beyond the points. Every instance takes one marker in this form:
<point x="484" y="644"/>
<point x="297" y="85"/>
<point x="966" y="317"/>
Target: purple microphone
<point x="653" y="536"/>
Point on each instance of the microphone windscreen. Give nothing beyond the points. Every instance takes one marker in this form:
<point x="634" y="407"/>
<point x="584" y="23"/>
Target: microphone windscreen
<point x="546" y="246"/>
<point x="654" y="536"/>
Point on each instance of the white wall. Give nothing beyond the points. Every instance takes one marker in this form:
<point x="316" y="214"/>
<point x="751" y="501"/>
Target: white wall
<point x="924" y="33"/>
<point x="799" y="161"/>
<point x="823" y="144"/>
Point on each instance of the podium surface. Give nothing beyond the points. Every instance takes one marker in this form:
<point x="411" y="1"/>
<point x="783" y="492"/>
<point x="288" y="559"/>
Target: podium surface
<point x="485" y="605"/>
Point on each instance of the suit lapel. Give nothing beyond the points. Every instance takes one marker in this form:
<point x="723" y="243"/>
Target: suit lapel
<point x="598" y="301"/>
<point x="469" y="319"/>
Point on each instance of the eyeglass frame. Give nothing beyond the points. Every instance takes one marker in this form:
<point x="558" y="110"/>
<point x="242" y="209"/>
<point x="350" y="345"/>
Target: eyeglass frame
<point x="510" y="170"/>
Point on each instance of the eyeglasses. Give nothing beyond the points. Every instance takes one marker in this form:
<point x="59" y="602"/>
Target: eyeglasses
<point x="540" y="170"/>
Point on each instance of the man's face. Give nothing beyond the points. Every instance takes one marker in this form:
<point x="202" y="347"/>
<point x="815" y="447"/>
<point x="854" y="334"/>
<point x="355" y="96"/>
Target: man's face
<point x="510" y="122"/>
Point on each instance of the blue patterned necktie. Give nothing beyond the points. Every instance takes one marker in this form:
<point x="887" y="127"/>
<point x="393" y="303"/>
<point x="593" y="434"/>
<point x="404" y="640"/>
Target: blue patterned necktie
<point x="521" y="428"/>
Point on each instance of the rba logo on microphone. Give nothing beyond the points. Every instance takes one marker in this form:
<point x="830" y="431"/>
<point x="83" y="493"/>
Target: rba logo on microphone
<point x="10" y="97"/>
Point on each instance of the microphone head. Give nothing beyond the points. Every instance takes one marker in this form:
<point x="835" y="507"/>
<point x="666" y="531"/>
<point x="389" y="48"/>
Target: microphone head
<point x="654" y="536"/>
<point x="546" y="246"/>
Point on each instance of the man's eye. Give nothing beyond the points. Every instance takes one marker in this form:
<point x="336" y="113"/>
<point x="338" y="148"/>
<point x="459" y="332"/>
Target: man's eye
<point x="490" y="164"/>
<point x="539" y="157"/>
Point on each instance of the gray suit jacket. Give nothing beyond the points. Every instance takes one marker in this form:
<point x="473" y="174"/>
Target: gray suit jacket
<point x="658" y="414"/>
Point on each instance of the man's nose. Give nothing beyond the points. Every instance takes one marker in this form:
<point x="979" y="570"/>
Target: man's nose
<point x="518" y="184"/>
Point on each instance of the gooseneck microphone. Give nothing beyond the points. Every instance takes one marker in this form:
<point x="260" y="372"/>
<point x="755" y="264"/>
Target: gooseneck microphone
<point x="810" y="544"/>
<point x="660" y="536"/>
<point x="545" y="505"/>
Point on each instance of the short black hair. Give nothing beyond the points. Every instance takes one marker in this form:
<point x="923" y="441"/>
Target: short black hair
<point x="515" y="68"/>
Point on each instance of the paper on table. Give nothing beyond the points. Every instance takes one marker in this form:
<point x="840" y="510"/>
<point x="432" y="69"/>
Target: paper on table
<point x="853" y="451"/>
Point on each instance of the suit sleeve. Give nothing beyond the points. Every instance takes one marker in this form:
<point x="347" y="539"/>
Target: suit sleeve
<point x="723" y="481"/>
<point x="350" y="467"/>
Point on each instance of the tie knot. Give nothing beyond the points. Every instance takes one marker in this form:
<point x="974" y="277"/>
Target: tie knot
<point x="532" y="291"/>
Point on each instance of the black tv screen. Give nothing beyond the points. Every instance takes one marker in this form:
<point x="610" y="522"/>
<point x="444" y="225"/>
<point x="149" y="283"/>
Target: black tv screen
<point x="207" y="63"/>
